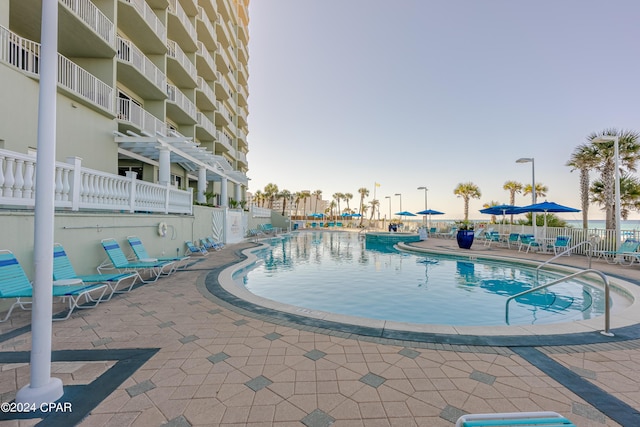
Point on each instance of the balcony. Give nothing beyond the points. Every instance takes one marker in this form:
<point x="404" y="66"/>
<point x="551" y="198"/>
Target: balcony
<point x="242" y="117"/>
<point x="224" y="8"/>
<point x="205" y="97"/>
<point x="142" y="26"/>
<point x="180" y="69"/>
<point x="223" y="143"/>
<point x="204" y="63"/>
<point x="133" y="117"/>
<point x="206" y="31"/>
<point x="137" y="71"/>
<point x="209" y="6"/>
<point x="243" y="74"/>
<point x="222" y="59"/>
<point x="243" y="95"/>
<point x="205" y="129"/>
<point x="222" y="32"/>
<point x="223" y="117"/>
<point x="243" y="35"/>
<point x="243" y="53"/>
<point x="180" y="27"/>
<point x="83" y="30"/>
<point x="179" y="107"/>
<point x="242" y="158"/>
<point x="223" y="90"/>
<point x="75" y="81"/>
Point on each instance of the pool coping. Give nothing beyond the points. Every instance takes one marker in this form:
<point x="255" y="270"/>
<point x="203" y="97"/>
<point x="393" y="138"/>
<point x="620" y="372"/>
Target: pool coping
<point x="222" y="286"/>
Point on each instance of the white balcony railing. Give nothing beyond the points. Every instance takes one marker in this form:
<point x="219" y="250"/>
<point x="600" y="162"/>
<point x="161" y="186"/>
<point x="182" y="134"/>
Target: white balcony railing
<point x="93" y="17"/>
<point x="204" y="88"/>
<point x="223" y="82"/>
<point x="25" y="55"/>
<point x="128" y="52"/>
<point x="150" y="18"/>
<point x="81" y="188"/>
<point x="178" y="11"/>
<point x="202" y="15"/>
<point x="202" y="51"/>
<point x="205" y="123"/>
<point x="224" y="140"/>
<point x="174" y="51"/>
<point x="131" y="112"/>
<point x="225" y="57"/>
<point x="176" y="96"/>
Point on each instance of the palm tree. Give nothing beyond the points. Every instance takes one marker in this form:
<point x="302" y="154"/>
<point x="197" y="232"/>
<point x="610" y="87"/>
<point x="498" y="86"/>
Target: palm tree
<point x="629" y="194"/>
<point x="284" y="195"/>
<point x="513" y="187"/>
<point x="337" y="197"/>
<point x="304" y="195"/>
<point x="270" y="192"/>
<point x="583" y="159"/>
<point x="467" y="190"/>
<point x="541" y="190"/>
<point x="346" y="197"/>
<point x="374" y="204"/>
<point x="489" y="205"/>
<point x="317" y="195"/>
<point x="604" y="154"/>
<point x="363" y="193"/>
<point x="258" y="198"/>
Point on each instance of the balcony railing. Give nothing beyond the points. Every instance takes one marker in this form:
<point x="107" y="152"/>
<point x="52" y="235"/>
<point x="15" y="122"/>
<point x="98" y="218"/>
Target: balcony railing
<point x="202" y="51"/>
<point x="177" y="10"/>
<point x="175" y="95"/>
<point x="206" y="124"/>
<point x="128" y="52"/>
<point x="25" y="55"/>
<point x="93" y="17"/>
<point x="150" y="18"/>
<point x="174" y="51"/>
<point x="79" y="188"/>
<point x="131" y="112"/>
<point x="204" y="88"/>
<point x="224" y="140"/>
<point x="202" y="14"/>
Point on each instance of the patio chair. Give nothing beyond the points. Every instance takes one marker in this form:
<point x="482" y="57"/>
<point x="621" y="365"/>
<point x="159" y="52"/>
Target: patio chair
<point x="450" y="235"/>
<point x="490" y="237"/>
<point x="627" y="249"/>
<point x="528" y="241"/>
<point x="269" y="229"/>
<point x="117" y="260"/>
<point x="141" y="254"/>
<point x="63" y="270"/>
<point x="211" y="240"/>
<point x="195" y="250"/>
<point x="561" y="245"/>
<point x="204" y="243"/>
<point x="547" y="418"/>
<point x="14" y="283"/>
<point x="513" y="239"/>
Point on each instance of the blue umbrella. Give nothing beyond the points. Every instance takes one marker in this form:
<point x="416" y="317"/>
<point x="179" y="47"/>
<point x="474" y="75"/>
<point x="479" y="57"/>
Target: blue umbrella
<point x="430" y="212"/>
<point x="405" y="213"/>
<point x="547" y="207"/>
<point x="501" y="210"/>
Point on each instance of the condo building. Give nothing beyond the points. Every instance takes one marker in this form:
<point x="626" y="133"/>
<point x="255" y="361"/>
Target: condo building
<point x="154" y="90"/>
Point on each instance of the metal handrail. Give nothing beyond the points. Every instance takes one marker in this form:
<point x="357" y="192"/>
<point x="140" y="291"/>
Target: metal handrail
<point x="589" y="256"/>
<point x="605" y="280"/>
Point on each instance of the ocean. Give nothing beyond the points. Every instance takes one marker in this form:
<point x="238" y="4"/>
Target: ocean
<point x="631" y="224"/>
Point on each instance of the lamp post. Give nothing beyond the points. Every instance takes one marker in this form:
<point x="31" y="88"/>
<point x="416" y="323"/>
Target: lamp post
<point x="400" y="194"/>
<point x="389" y="197"/>
<point x="426" y="204"/>
<point x="533" y="188"/>
<point x="616" y="155"/>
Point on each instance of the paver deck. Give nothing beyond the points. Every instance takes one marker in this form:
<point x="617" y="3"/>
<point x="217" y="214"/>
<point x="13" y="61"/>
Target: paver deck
<point x="171" y="353"/>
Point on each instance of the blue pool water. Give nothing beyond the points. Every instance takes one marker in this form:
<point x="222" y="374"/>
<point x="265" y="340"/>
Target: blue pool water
<point x="339" y="272"/>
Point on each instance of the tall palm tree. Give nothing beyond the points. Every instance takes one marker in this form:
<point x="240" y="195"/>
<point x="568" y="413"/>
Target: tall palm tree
<point x="284" y="195"/>
<point x="270" y="192"/>
<point x="513" y="187"/>
<point x="489" y="205"/>
<point x="583" y="159"/>
<point x="337" y="197"/>
<point x="374" y="204"/>
<point x="363" y="193"/>
<point x="258" y="198"/>
<point x="304" y="195"/>
<point x="629" y="194"/>
<point x="541" y="190"/>
<point x="318" y="195"/>
<point x="467" y="190"/>
<point x="628" y="155"/>
<point x="346" y="197"/>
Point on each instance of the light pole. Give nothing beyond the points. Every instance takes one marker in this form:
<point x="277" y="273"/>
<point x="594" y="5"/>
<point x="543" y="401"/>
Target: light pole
<point x="400" y="194"/>
<point x="426" y="204"/>
<point x="533" y="188"/>
<point x="389" y="197"/>
<point x="616" y="155"/>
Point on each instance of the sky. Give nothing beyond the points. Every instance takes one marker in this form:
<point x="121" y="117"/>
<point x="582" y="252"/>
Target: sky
<point x="344" y="94"/>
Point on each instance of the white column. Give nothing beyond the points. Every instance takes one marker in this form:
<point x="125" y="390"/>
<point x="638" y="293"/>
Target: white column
<point x="42" y="388"/>
<point x="165" y="166"/>
<point x="202" y="185"/>
<point x="238" y="193"/>
<point x="224" y="199"/>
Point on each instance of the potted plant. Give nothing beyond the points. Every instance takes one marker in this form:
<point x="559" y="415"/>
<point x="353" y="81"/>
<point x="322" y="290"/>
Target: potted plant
<point x="465" y="234"/>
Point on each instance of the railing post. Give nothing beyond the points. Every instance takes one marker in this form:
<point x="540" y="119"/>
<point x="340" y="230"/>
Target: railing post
<point x="132" y="190"/>
<point x="76" y="181"/>
<point x="167" y="195"/>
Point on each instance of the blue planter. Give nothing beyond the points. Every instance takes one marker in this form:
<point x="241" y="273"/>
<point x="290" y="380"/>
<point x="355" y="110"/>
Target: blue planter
<point x="465" y="239"/>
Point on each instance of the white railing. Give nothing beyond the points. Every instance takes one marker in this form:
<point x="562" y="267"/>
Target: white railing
<point x="241" y="156"/>
<point x="128" y="52"/>
<point x="225" y="57"/>
<point x="174" y="51"/>
<point x="177" y="10"/>
<point x="225" y="139"/>
<point x="93" y="17"/>
<point x="133" y="113"/>
<point x="258" y="212"/>
<point x="202" y="14"/>
<point x="19" y="52"/>
<point x="204" y="88"/>
<point x="225" y="30"/>
<point x="205" y="123"/>
<point x="220" y="107"/>
<point x="81" y="188"/>
<point x="223" y="82"/>
<point x="202" y="51"/>
<point x="176" y="96"/>
<point x="150" y="18"/>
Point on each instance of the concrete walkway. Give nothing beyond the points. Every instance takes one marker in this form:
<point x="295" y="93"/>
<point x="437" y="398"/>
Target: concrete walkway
<point x="171" y="353"/>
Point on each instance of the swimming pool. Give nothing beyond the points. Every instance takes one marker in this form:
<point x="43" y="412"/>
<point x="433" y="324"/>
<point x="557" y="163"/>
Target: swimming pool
<point x="337" y="272"/>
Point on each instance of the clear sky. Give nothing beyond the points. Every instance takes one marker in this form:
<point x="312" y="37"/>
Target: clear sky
<point x="410" y="93"/>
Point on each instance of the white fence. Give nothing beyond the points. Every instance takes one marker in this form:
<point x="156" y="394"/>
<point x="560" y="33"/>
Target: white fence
<point x="81" y="188"/>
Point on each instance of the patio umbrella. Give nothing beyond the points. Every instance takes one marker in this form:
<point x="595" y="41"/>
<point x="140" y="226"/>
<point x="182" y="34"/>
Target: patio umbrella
<point x="429" y="212"/>
<point x="547" y="207"/>
<point x="405" y="213"/>
<point x="501" y="209"/>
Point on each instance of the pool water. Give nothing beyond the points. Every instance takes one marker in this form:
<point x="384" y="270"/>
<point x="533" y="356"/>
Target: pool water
<point x="339" y="272"/>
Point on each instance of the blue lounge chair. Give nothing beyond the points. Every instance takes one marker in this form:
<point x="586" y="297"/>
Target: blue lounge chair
<point x="117" y="260"/>
<point x="628" y="250"/>
<point x="561" y="245"/>
<point x="195" y="250"/>
<point x="14" y="283"/>
<point x="528" y="241"/>
<point x="208" y="245"/>
<point x="269" y="229"/>
<point x="547" y="419"/>
<point x="514" y="239"/>
<point x="63" y="270"/>
<point x="142" y="255"/>
<point x="218" y="245"/>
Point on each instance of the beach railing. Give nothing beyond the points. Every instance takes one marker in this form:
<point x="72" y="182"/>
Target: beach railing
<point x="79" y="188"/>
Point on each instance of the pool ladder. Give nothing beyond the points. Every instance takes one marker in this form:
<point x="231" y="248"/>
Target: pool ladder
<point x="605" y="280"/>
